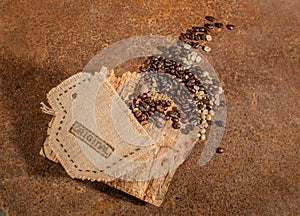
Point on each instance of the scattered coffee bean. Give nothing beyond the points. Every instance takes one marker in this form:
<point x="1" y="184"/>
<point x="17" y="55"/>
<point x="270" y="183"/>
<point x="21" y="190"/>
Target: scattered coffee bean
<point x="218" y="25"/>
<point x="230" y="27"/>
<point x="220" y="150"/>
<point x="210" y="18"/>
<point x="175" y="119"/>
<point x="192" y="35"/>
<point x="208" y="37"/>
<point x="206" y="48"/>
<point x="208" y="26"/>
<point x="138" y="113"/>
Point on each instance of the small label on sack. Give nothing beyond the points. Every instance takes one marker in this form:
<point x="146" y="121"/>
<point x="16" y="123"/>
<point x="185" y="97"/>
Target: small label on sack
<point x="91" y="139"/>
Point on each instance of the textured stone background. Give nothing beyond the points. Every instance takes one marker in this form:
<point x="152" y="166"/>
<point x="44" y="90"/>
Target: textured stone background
<point x="44" y="42"/>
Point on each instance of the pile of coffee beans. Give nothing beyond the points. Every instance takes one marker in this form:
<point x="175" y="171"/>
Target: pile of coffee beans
<point x="144" y="106"/>
<point x="186" y="90"/>
<point x="177" y="73"/>
<point x="197" y="36"/>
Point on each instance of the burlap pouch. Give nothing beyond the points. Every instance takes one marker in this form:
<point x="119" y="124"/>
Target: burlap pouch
<point x="94" y="148"/>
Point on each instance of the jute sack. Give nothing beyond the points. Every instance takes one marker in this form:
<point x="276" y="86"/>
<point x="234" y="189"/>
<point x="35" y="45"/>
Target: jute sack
<point x="82" y="158"/>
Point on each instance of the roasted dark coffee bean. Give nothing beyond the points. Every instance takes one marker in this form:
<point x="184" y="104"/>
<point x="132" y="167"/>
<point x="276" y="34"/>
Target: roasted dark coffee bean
<point x="144" y="122"/>
<point x="142" y="108"/>
<point x="184" y="131"/>
<point x="172" y="114"/>
<point x="205" y="101"/>
<point x="140" y="119"/>
<point x="176" y="125"/>
<point x="160" y="109"/>
<point x="162" y="48"/>
<point x="138" y="113"/>
<point x="188" y="36"/>
<point x="196" y="45"/>
<point x="168" y="103"/>
<point x="220" y="150"/>
<point x="199" y="29"/>
<point x="222" y="103"/>
<point x="175" y="119"/>
<point x="167" y="117"/>
<point x="208" y="26"/>
<point x="230" y="27"/>
<point x="219" y="25"/>
<point x="145" y="116"/>
<point x="190" y="127"/>
<point x="144" y="96"/>
<point x="147" y="100"/>
<point x="152" y="104"/>
<point x="210" y="18"/>
<point x="174" y="109"/>
<point x="201" y="106"/>
<point x="184" y="120"/>
<point x="219" y="123"/>
<point x="158" y="124"/>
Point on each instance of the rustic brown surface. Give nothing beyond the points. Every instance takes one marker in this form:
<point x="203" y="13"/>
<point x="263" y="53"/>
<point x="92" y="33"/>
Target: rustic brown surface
<point x="44" y="42"/>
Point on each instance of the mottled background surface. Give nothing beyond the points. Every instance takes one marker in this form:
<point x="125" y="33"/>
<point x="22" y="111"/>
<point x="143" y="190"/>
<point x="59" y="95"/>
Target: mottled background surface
<point x="44" y="42"/>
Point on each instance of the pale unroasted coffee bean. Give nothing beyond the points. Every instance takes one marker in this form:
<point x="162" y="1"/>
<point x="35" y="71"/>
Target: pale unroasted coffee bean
<point x="138" y="113"/>
<point x="206" y="48"/>
<point x="203" y="137"/>
<point x="208" y="37"/>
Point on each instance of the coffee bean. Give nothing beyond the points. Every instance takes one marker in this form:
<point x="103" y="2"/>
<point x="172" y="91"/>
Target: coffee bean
<point x="184" y="120"/>
<point x="202" y="36"/>
<point x="147" y="100"/>
<point x="206" y="48"/>
<point x="144" y="116"/>
<point x="196" y="45"/>
<point x="230" y="27"/>
<point x="137" y="113"/>
<point x="219" y="25"/>
<point x="172" y="114"/>
<point x="144" y="96"/>
<point x="210" y="18"/>
<point x="176" y="125"/>
<point x="162" y="49"/>
<point x="199" y="29"/>
<point x="158" y="124"/>
<point x="208" y="26"/>
<point x="185" y="131"/>
<point x="175" y="119"/>
<point x="208" y="37"/>
<point x="160" y="108"/>
<point x="219" y="123"/>
<point x="144" y="122"/>
<point x="220" y="150"/>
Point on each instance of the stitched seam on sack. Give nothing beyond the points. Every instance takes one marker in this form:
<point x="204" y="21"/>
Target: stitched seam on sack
<point x="60" y="127"/>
